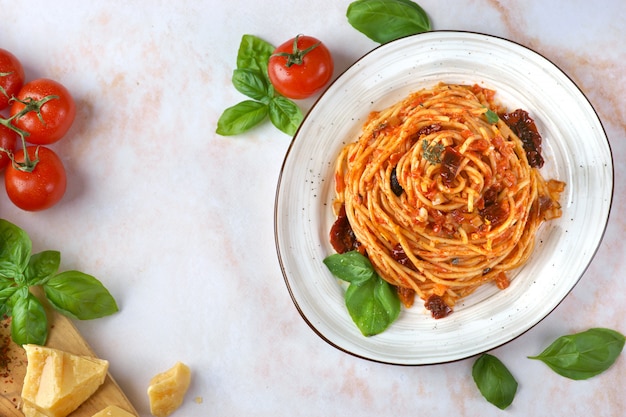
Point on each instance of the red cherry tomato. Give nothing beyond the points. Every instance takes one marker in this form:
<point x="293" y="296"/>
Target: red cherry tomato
<point x="43" y="187"/>
<point x="300" y="67"/>
<point x="11" y="77"/>
<point x="58" y="113"/>
<point x="8" y="141"/>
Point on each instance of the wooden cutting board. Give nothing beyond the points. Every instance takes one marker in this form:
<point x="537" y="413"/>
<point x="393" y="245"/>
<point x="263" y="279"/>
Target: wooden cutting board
<point x="63" y="335"/>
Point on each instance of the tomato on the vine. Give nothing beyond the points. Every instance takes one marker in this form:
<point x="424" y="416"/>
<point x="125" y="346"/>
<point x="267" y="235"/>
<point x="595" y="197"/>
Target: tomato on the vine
<point x="8" y="142"/>
<point x="41" y="188"/>
<point x="11" y="77"/>
<point x="58" y="112"/>
<point x="300" y="67"/>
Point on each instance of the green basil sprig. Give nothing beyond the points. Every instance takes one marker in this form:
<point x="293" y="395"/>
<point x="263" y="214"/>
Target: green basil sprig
<point x="250" y="78"/>
<point x="583" y="355"/>
<point x="494" y="381"/>
<point x="73" y="293"/>
<point x="372" y="303"/>
<point x="386" y="20"/>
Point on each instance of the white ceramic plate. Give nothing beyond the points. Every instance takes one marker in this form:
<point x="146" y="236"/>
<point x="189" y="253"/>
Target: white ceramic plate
<point x="576" y="151"/>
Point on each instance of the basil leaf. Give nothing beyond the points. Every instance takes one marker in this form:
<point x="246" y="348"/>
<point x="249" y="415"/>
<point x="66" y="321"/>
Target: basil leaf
<point x="29" y="323"/>
<point x="373" y="305"/>
<point x="494" y="381"/>
<point x="583" y="355"/>
<point x="350" y="266"/>
<point x="241" y="117"/>
<point x="42" y="266"/>
<point x="254" y="54"/>
<point x="491" y="116"/>
<point x="79" y="295"/>
<point x="7" y="289"/>
<point x="251" y="83"/>
<point x="388" y="299"/>
<point x="386" y="20"/>
<point x="15" y="248"/>
<point x="5" y="310"/>
<point x="285" y="115"/>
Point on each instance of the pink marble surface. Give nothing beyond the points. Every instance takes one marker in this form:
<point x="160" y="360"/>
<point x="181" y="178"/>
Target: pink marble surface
<point x="178" y="222"/>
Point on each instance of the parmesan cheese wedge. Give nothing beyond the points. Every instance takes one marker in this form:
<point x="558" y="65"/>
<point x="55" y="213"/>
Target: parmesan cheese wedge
<point x="167" y="390"/>
<point x="30" y="411"/>
<point x="57" y="382"/>
<point x="113" y="411"/>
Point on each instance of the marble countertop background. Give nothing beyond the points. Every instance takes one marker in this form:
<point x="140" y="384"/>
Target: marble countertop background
<point x="178" y="221"/>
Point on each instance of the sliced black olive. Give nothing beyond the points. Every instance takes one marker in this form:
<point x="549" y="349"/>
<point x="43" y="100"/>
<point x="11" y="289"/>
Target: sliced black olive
<point x="395" y="185"/>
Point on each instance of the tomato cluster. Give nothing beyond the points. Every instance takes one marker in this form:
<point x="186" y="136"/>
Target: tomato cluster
<point x="40" y="112"/>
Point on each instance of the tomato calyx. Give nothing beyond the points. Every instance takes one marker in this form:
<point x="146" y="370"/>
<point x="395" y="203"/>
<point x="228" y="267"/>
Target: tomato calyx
<point x="31" y="104"/>
<point x="296" y="56"/>
<point x="28" y="165"/>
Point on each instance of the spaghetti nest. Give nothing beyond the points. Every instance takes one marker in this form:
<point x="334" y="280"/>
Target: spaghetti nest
<point x="439" y="193"/>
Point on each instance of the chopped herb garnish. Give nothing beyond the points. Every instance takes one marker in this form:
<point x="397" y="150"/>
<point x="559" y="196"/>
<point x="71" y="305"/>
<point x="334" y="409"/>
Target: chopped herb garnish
<point x="433" y="152"/>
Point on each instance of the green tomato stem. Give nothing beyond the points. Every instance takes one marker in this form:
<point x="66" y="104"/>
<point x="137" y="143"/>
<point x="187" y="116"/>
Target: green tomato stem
<point x="28" y="165"/>
<point x="296" y="57"/>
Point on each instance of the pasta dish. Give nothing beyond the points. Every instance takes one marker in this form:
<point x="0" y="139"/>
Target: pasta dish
<point x="443" y="193"/>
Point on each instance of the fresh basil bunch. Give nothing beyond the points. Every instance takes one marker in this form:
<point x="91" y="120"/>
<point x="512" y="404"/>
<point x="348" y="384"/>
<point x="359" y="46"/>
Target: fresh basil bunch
<point x="372" y="303"/>
<point x="386" y="20"/>
<point x="250" y="78"/>
<point x="73" y="293"/>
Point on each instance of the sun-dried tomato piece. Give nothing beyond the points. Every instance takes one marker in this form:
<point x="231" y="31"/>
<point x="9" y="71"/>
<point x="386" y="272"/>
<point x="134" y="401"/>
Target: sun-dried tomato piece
<point x="496" y="213"/>
<point x="438" y="308"/>
<point x="342" y="237"/>
<point x="450" y="164"/>
<point x="524" y="127"/>
<point x="399" y="255"/>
